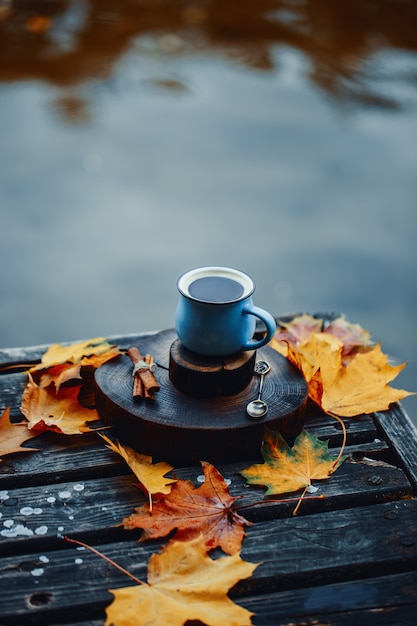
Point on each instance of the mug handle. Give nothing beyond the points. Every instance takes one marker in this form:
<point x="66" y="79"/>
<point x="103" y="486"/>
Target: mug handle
<point x="269" y="322"/>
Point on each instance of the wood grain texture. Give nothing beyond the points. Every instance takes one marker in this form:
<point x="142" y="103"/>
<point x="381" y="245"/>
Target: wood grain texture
<point x="397" y="427"/>
<point x="177" y="427"/>
<point x="82" y="506"/>
<point x="383" y="600"/>
<point x="209" y="377"/>
<point x="324" y="548"/>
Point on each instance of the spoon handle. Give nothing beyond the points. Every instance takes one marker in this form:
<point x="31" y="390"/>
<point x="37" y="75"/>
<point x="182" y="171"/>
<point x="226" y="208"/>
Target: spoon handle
<point x="261" y="385"/>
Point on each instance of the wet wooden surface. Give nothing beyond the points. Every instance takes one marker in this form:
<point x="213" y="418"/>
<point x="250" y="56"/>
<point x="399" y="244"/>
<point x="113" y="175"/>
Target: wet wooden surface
<point x="349" y="558"/>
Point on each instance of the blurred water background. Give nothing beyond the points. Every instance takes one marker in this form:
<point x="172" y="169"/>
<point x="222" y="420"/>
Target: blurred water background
<point x="141" y="138"/>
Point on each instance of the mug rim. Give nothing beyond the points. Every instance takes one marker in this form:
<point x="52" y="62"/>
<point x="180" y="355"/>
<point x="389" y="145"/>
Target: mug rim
<point x="188" y="277"/>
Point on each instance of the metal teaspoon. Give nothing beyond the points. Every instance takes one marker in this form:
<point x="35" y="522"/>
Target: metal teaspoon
<point x="258" y="408"/>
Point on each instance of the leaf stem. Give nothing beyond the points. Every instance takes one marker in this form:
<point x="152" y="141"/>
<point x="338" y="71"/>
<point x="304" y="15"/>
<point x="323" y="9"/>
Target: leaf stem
<point x="341" y="422"/>
<point x="106" y="558"/>
<point x="300" y="500"/>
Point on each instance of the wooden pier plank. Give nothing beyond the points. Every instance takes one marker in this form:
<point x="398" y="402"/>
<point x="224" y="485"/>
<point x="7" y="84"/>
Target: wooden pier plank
<point x="401" y="434"/>
<point x="350" y="558"/>
<point x="295" y="552"/>
<point x="381" y="600"/>
<point x="85" y="507"/>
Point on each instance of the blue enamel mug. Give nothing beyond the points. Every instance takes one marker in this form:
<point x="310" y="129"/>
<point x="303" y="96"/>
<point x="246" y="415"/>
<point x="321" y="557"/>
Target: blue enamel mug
<point x="215" y="312"/>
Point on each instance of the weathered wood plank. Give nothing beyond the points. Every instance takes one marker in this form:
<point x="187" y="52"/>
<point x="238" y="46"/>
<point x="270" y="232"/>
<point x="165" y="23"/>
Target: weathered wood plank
<point x="60" y="458"/>
<point x="348" y="558"/>
<point x="38" y="515"/>
<point x="326" y="548"/>
<point x="44" y="585"/>
<point x="385" y="600"/>
<point x="401" y="433"/>
<point x="268" y="612"/>
<point x="87" y="507"/>
<point x="388" y="616"/>
<point x="11" y="390"/>
<point x="67" y="458"/>
<point x="359" y="429"/>
<point x="333" y="546"/>
<point x="380" y="600"/>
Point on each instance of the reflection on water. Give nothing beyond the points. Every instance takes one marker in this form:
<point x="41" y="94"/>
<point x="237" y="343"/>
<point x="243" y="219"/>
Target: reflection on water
<point x="68" y="42"/>
<point x="141" y="138"/>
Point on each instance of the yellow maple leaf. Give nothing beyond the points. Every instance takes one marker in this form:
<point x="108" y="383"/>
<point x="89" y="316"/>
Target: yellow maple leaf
<point x="317" y="350"/>
<point x="57" y="354"/>
<point x="288" y="469"/>
<point x="72" y="373"/>
<point x="340" y="386"/>
<point x="46" y="409"/>
<point x="294" y="333"/>
<point x="184" y="584"/>
<point x="47" y="404"/>
<point x="359" y="387"/>
<point x="13" y="435"/>
<point x="150" y="475"/>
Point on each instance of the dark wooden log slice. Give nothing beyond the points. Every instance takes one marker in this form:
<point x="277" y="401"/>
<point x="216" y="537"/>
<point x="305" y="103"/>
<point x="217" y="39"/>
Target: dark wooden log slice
<point x="207" y="377"/>
<point x="183" y="429"/>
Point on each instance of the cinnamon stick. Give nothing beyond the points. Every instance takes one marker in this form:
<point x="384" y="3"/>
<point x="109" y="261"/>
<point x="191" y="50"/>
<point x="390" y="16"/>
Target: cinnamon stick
<point x="144" y="382"/>
<point x="138" y="391"/>
<point x="149" y="391"/>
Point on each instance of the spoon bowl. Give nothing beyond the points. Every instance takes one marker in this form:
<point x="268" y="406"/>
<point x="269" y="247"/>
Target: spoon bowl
<point x="257" y="408"/>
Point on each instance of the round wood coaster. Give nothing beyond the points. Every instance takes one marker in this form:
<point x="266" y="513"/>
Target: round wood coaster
<point x="182" y="429"/>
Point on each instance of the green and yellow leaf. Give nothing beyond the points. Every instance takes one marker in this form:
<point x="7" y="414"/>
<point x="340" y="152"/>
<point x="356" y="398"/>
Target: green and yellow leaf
<point x="288" y="469"/>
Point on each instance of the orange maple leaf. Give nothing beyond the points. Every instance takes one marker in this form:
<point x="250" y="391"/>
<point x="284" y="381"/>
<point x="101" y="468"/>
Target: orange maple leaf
<point x="59" y="395"/>
<point x="13" y="435"/>
<point x="47" y="409"/>
<point x="190" y="511"/>
<point x="61" y="374"/>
